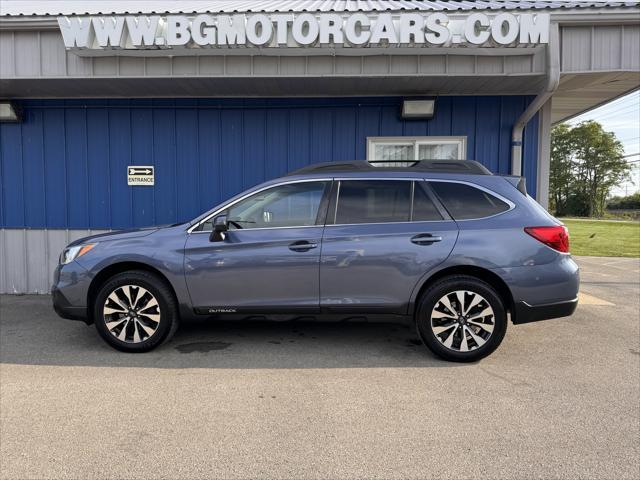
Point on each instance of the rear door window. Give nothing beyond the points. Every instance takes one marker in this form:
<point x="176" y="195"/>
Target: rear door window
<point x="424" y="210"/>
<point x="373" y="201"/>
<point x="384" y="201"/>
<point x="465" y="202"/>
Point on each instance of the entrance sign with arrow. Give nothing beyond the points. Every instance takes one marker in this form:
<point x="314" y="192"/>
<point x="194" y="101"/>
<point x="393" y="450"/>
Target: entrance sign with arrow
<point x="140" y="175"/>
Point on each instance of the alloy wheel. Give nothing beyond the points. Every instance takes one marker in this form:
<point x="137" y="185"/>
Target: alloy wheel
<point x="462" y="320"/>
<point x="131" y="313"/>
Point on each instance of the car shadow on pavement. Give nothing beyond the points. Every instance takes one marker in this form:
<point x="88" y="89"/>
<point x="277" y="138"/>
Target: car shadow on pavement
<point x="32" y="334"/>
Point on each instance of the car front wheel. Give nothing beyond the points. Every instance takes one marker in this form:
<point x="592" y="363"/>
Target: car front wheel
<point x="461" y="319"/>
<point x="135" y="311"/>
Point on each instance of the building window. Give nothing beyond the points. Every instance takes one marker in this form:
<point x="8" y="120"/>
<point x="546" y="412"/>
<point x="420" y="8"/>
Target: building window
<point x="404" y="151"/>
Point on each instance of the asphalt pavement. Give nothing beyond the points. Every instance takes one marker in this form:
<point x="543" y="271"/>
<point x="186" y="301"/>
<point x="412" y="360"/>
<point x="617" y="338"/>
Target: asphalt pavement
<point x="558" y="399"/>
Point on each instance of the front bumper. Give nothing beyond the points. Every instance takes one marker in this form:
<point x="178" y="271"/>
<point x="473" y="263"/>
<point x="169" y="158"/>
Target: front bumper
<point x="69" y="291"/>
<point x="525" y="313"/>
<point x="64" y="309"/>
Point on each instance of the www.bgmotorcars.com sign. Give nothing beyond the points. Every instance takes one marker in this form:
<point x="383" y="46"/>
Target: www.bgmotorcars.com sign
<point x="278" y="31"/>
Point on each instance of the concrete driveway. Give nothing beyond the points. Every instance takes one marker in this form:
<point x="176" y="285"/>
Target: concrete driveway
<point x="559" y="399"/>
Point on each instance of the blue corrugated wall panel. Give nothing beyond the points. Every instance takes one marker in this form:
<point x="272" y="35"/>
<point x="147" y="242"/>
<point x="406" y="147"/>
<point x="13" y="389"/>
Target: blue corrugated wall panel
<point x="65" y="165"/>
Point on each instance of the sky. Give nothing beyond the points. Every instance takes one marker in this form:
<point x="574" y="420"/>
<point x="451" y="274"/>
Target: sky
<point x="622" y="117"/>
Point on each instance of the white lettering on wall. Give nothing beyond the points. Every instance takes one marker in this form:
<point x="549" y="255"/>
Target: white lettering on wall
<point x="203" y="30"/>
<point x="411" y="28"/>
<point x="475" y="28"/>
<point x="383" y="30"/>
<point x="437" y="31"/>
<point x="76" y="31"/>
<point x="304" y="30"/>
<point x="331" y="29"/>
<point x="108" y="31"/>
<point x="142" y="30"/>
<point x="259" y="30"/>
<point x="231" y="30"/>
<point x="534" y="29"/>
<point x="356" y="29"/>
<point x="281" y="22"/>
<point x="178" y="30"/>
<point x="504" y="28"/>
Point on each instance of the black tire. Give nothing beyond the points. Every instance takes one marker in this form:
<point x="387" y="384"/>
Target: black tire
<point x="431" y="297"/>
<point x="168" y="310"/>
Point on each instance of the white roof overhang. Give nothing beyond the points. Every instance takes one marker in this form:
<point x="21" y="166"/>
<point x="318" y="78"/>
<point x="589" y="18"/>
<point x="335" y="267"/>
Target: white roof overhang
<point x="600" y="52"/>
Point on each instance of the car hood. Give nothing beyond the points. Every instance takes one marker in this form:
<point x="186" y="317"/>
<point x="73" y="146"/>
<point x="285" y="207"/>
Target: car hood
<point x="118" y="235"/>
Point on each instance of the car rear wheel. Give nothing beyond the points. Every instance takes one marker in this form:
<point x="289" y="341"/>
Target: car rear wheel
<point x="461" y="319"/>
<point x="135" y="311"/>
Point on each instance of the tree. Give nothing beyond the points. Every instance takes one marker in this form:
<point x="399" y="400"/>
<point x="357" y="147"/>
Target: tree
<point x="560" y="175"/>
<point x="630" y="202"/>
<point x="586" y="163"/>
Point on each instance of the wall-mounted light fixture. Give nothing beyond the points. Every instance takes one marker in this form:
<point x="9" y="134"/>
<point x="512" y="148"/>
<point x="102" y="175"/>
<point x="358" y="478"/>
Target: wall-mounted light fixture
<point x="418" y="108"/>
<point x="9" y="112"/>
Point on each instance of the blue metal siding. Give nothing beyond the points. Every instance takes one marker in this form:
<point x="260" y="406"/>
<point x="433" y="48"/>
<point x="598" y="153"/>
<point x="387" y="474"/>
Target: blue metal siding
<point x="65" y="165"/>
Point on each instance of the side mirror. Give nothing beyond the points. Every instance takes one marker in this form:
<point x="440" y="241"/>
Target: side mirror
<point x="220" y="225"/>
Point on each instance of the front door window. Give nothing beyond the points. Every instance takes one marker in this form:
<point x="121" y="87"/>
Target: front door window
<point x="291" y="205"/>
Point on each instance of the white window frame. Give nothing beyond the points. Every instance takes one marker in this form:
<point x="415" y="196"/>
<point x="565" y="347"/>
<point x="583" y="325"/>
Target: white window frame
<point x="461" y="141"/>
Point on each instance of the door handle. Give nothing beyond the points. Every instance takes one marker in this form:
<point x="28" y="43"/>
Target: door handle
<point x="302" y="246"/>
<point x="425" y="239"/>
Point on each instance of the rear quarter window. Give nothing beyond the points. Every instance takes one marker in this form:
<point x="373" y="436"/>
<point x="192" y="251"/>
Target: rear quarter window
<point x="465" y="202"/>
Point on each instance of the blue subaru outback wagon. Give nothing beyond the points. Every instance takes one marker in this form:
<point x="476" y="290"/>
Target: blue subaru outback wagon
<point x="448" y="246"/>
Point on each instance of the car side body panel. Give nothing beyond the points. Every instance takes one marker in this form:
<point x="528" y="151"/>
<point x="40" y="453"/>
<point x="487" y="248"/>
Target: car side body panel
<point x="374" y="267"/>
<point x="162" y="250"/>
<point x="361" y="268"/>
<point x="263" y="269"/>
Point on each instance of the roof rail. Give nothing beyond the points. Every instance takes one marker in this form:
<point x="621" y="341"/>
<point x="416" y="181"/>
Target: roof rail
<point x="435" y="166"/>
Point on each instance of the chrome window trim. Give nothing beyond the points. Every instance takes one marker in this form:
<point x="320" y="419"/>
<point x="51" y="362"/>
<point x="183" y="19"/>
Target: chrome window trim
<point x="479" y="187"/>
<point x="388" y="223"/>
<point x="265" y="228"/>
<point x="413" y="192"/>
<point x="191" y="229"/>
<point x="335" y="208"/>
<point x="512" y="205"/>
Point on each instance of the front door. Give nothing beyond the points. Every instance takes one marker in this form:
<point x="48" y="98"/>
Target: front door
<point x="269" y="258"/>
<point x="381" y="238"/>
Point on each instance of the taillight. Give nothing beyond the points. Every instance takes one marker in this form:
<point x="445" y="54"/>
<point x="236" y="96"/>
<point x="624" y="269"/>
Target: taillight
<point x="556" y="237"/>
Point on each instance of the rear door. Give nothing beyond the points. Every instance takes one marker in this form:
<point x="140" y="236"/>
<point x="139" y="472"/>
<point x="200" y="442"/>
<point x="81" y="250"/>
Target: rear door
<point x="381" y="237"/>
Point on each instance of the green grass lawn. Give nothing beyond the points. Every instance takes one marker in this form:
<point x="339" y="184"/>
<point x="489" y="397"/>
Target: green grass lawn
<point x="603" y="238"/>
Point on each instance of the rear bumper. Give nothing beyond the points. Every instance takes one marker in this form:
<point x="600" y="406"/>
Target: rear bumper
<point x="525" y="313"/>
<point x="541" y="292"/>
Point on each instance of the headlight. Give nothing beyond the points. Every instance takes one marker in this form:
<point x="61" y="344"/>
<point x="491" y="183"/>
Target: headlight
<point x="69" y="254"/>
